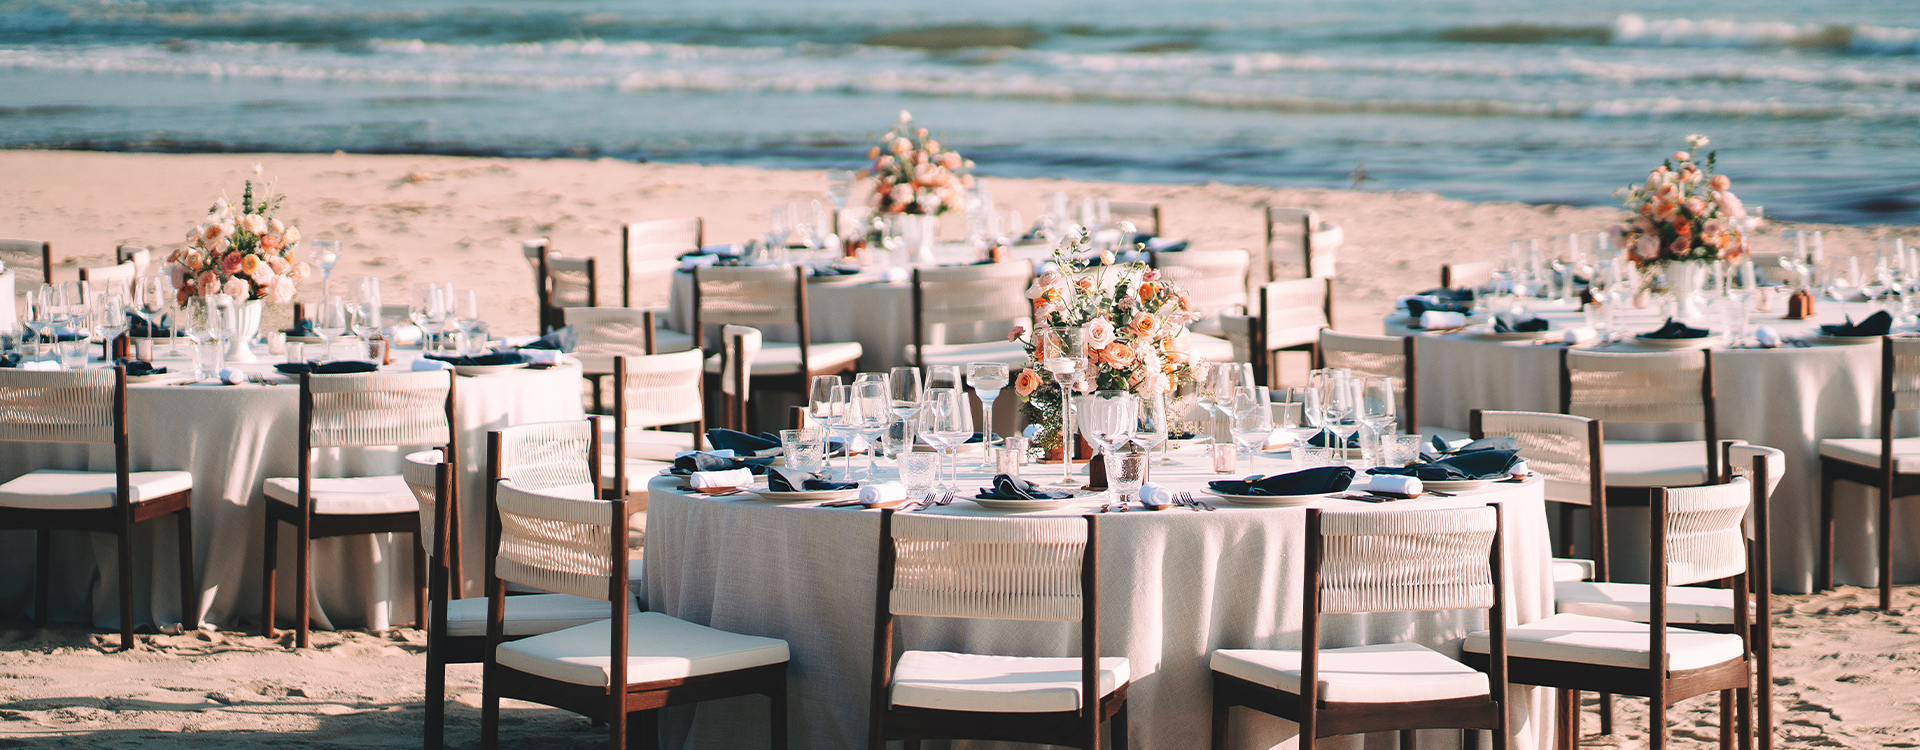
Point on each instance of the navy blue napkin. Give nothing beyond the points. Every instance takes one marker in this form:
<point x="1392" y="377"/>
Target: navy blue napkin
<point x="693" y="462"/>
<point x="1326" y="438"/>
<point x="1675" y="330"/>
<point x="562" y="339"/>
<point x="1508" y="324"/>
<point x="1417" y="307"/>
<point x="141" y="327"/>
<point x="795" y="480"/>
<point x="482" y="360"/>
<point x="302" y="329"/>
<point x="1877" y="324"/>
<point x="1482" y="464"/>
<point x="338" y="367"/>
<point x="1461" y="294"/>
<point x="743" y="444"/>
<point x="1014" y="488"/>
<point x="1316" y="481"/>
<point x="1428" y="453"/>
<point x="137" y="367"/>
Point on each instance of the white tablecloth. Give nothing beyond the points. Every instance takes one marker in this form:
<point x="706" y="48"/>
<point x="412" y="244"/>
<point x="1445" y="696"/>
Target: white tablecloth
<point x="232" y="438"/>
<point x="1787" y="398"/>
<point x="1176" y="584"/>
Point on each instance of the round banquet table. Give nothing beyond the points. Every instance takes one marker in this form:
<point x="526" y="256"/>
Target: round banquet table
<point x="1788" y="398"/>
<point x="1176" y="585"/>
<point x="232" y="438"/>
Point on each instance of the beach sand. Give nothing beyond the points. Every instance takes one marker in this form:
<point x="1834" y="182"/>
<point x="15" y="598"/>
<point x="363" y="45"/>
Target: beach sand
<point x="1845" y="675"/>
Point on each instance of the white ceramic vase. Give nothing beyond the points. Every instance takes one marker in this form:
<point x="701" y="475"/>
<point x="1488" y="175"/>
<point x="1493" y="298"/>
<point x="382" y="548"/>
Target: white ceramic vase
<point x="240" y="347"/>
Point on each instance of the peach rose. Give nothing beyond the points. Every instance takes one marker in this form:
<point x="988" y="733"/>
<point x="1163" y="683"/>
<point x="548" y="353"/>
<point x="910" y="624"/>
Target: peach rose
<point x="1147" y="290"/>
<point x="248" y="263"/>
<point x="1084" y="284"/>
<point x="1647" y="247"/>
<point x="950" y="160"/>
<point x="873" y="153"/>
<point x="1097" y="334"/>
<point x="1144" y="325"/>
<point x="902" y="145"/>
<point x="292" y="236"/>
<point x="238" y="288"/>
<point x="1119" y="354"/>
<point x="1682" y="156"/>
<point x="230" y="263"/>
<point x="262" y="274"/>
<point x="280" y="290"/>
<point x="208" y="283"/>
<point x="275" y="226"/>
<point x="254" y="224"/>
<point x="1720" y="182"/>
<point x="1026" y="383"/>
<point x="278" y="264"/>
<point x="269" y="242"/>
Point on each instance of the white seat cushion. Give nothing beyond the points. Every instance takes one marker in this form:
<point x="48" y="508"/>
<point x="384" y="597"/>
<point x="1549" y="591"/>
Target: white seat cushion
<point x="531" y="614"/>
<point x="652" y="445"/>
<point x="1636" y="464"/>
<point x="1002" y="684"/>
<point x="1384" y="673"/>
<point x="1866" y="452"/>
<point x="783" y="358"/>
<point x="639" y="472"/>
<point x="1011" y="353"/>
<point x="1597" y="640"/>
<point x="1209" y="348"/>
<point x="1633" y="602"/>
<point x="348" y="495"/>
<point x="658" y="648"/>
<point x="1570" y="569"/>
<point x="82" y="490"/>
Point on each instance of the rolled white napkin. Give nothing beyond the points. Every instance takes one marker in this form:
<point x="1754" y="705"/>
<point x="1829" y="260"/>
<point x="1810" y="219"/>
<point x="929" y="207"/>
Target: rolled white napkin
<point x="695" y="261"/>
<point x="425" y="365"/>
<point x="42" y="364"/>
<point x="404" y="335"/>
<point x="231" y="376"/>
<point x="896" y="275"/>
<point x="1394" y="484"/>
<point x="1579" y="335"/>
<point x="1155" y="495"/>
<point x="1519" y="470"/>
<point x="541" y="356"/>
<point x="1439" y="319"/>
<point x="1766" y="337"/>
<point x="883" y="493"/>
<point x="701" y="480"/>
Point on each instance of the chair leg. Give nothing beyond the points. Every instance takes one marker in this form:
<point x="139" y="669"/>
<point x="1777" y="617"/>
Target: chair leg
<point x="1119" y="728"/>
<point x="436" y="696"/>
<point x="489" y="707"/>
<point x="1606" y="714"/>
<point x="189" y="594"/>
<point x="1657" y="719"/>
<point x="270" y="563"/>
<point x="42" y="559"/>
<point x="777" y="719"/>
<point x="1567" y="708"/>
<point x="1407" y="740"/>
<point x="1470" y="739"/>
<point x="617" y="737"/>
<point x="909" y="745"/>
<point x="1886" y="548"/>
<point x="1744" y="717"/>
<point x="420" y="581"/>
<point x="1763" y="699"/>
<point x="1566" y="530"/>
<point x="1727" y="721"/>
<point x="303" y="584"/>
<point x="125" y="563"/>
<point x="1219" y="723"/>
<point x="1826" y="532"/>
<point x="645" y="733"/>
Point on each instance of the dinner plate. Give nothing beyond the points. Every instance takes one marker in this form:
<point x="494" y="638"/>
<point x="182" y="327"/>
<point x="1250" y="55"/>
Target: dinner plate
<point x="341" y="339"/>
<point x="1824" y="339"/>
<point x="472" y="371"/>
<point x="1267" y="501"/>
<point x="1653" y="343"/>
<point x="803" y="496"/>
<point x="1456" y="485"/>
<point x="160" y="377"/>
<point x="1026" y="506"/>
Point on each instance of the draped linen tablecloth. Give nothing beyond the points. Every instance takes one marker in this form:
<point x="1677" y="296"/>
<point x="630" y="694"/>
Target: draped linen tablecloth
<point x="1175" y="585"/>
<point x="232" y="438"/>
<point x="1787" y="398"/>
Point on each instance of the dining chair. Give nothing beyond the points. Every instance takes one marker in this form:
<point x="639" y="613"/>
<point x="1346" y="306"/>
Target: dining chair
<point x="1696" y="539"/>
<point x="140" y="257"/>
<point x="371" y="410"/>
<point x="80" y="407"/>
<point x="1381" y="561"/>
<point x="1394" y="357"/>
<point x="1468" y="275"/>
<point x="1144" y="216"/>
<point x="611" y="669"/>
<point x="1886" y="463"/>
<point x="1041" y="570"/>
<point x="650" y="253"/>
<point x="1655" y="388"/>
<point x="1565" y="451"/>
<point x="1288" y="316"/>
<point x="122" y="273"/>
<point x="608" y="332"/>
<point x="560" y="282"/>
<point x="1216" y="285"/>
<point x="1299" y="232"/>
<point x="650" y="391"/>
<point x="966" y="297"/>
<point x="31" y="261"/>
<point x="739" y="349"/>
<point x="555" y="457"/>
<point x="763" y="297"/>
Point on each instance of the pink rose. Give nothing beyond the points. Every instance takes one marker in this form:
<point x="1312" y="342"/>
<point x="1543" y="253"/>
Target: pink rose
<point x="238" y="288"/>
<point x="230" y="264"/>
<point x="178" y="274"/>
<point x="209" y="283"/>
<point x="1682" y="156"/>
<point x="950" y="160"/>
<point x="1152" y="274"/>
<point x="263" y="274"/>
<point x="254" y="224"/>
<point x="1097" y="334"/>
<point x="1720" y="182"/>
<point x="280" y="291"/>
<point x="1680" y="245"/>
<point x="1016" y="333"/>
<point x="1647" y="247"/>
<point x="278" y="264"/>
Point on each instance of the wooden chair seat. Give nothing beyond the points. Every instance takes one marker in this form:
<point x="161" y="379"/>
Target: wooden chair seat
<point x="1573" y="569"/>
<point x="1209" y="348"/>
<point x="48" y="489"/>
<point x="341" y="496"/>
<point x="639" y="472"/>
<point x="659" y="648"/>
<point x="1382" y="673"/>
<point x="529" y="614"/>
<point x="1686" y="605"/>
<point x="1568" y="639"/>
<point x="783" y="358"/>
<point x="949" y="681"/>
<point x="1632" y="463"/>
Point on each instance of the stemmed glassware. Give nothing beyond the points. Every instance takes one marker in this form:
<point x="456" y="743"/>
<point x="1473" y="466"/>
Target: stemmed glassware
<point x="1108" y="420"/>
<point x="364" y="310"/>
<point x="1333" y="405"/>
<point x="988" y="379"/>
<point x="37" y="318"/>
<point x="841" y="420"/>
<point x="1150" y="423"/>
<point x="329" y="321"/>
<point x="155" y="296"/>
<point x="1252" y="420"/>
<point x="325" y="254"/>
<point x="1291" y="414"/>
<point x="222" y="323"/>
<point x="1065" y="357"/>
<point x="1839" y="286"/>
<point x="110" y="314"/>
<point x="1376" y="411"/>
<point x="473" y="339"/>
<point x="428" y="311"/>
<point x="904" y="392"/>
<point x="946" y="421"/>
<point x="199" y="319"/>
<point x="943" y="376"/>
<point x="839" y="188"/>
<point x="870" y="414"/>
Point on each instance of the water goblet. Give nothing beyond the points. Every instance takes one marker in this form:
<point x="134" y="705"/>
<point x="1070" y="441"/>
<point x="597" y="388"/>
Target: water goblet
<point x="988" y="379"/>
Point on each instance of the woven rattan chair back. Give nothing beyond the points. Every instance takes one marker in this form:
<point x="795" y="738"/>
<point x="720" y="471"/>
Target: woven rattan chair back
<point x="74" y="406"/>
<point x="140" y="257"/>
<point x="983" y="568"/>
<point x="1293" y="312"/>
<point x="608" y="332"/>
<point x="1563" y="449"/>
<point x="552" y="543"/>
<point x="31" y="261"/>
<point x="1705" y="540"/>
<point x="967" y="295"/>
<point x="1290" y="240"/>
<point x="1378" y="357"/>
<point x="422" y="471"/>
<point x="378" y="409"/>
<point x="1407" y="561"/>
<point x="542" y="456"/>
<point x="1145" y="217"/>
<point x="1470" y="275"/>
<point x="1664" y="387"/>
<point x="649" y="253"/>
<point x="748" y="296"/>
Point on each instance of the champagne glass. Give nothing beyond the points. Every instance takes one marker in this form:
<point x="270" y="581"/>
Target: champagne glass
<point x="1252" y="421"/>
<point x="903" y="386"/>
<point x="872" y="415"/>
<point x="839" y="188"/>
<point x="221" y="325"/>
<point x="988" y="379"/>
<point x="953" y="425"/>
<point x="1065" y="357"/>
<point x="842" y="421"/>
<point x="1107" y="420"/>
<point x="329" y="322"/>
<point x="1291" y="414"/>
<point x="324" y="254"/>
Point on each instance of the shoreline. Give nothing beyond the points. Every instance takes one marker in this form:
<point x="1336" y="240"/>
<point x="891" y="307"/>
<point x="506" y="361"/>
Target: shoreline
<point x="411" y="218"/>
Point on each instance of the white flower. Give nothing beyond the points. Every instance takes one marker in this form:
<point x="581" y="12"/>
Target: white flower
<point x="905" y="116"/>
<point x="1697" y="141"/>
<point x="256" y="168"/>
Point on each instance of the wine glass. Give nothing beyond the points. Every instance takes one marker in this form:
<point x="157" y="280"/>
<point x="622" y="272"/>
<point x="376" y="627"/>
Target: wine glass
<point x="841" y="420"/>
<point x="364" y="309"/>
<point x="36" y="317"/>
<point x="222" y="322"/>
<point x="1376" y="409"/>
<point x="932" y="423"/>
<point x="872" y="415"/>
<point x="1252" y="421"/>
<point x="1338" y="407"/>
<point x="110" y="314"/>
<point x="951" y="426"/>
<point x="1064" y="355"/>
<point x="839" y="188"/>
<point x="199" y="329"/>
<point x="988" y="379"/>
<point x="324" y="254"/>
<point x="1107" y="421"/>
<point x="943" y="376"/>
<point x="154" y="295"/>
<point x="473" y="330"/>
<point x="1225" y="379"/>
<point x="428" y="310"/>
<point x="820" y="398"/>
<point x="904" y="392"/>
<point x="1838" y="286"/>
<point x="1291" y="412"/>
<point x="329" y="321"/>
<point x="1151" y="415"/>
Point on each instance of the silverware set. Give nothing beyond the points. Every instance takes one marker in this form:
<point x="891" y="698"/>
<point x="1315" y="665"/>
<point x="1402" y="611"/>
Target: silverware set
<point x="938" y="497"/>
<point x="1185" y="499"/>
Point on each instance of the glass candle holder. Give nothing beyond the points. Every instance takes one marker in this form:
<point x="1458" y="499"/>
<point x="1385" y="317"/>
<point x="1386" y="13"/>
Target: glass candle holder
<point x="1224" y="457"/>
<point x="918" y="471"/>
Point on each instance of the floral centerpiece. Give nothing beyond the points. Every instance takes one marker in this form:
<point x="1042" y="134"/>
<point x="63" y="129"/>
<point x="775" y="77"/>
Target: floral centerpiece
<point x="914" y="174"/>
<point x="1684" y="212"/>
<point x="1133" y="326"/>
<point x="241" y="251"/>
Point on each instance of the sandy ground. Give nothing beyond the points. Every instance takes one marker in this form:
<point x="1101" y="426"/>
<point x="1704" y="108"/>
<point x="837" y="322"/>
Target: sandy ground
<point x="1846" y="675"/>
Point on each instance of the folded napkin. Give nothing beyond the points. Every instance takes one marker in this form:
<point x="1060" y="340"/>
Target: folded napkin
<point x="1766" y="337"/>
<point x="424" y="365"/>
<point x="1164" y="244"/>
<point x="1155" y="495"/>
<point x="884" y="493"/>
<point x="833" y="270"/>
<point x="1675" y="330"/>
<point x="562" y="339"/>
<point x="1580" y="335"/>
<point x="690" y="262"/>
<point x="1511" y="324"/>
<point x="1326" y="438"/>
<point x="1394" y="484"/>
<point x="1490" y="444"/>
<point x="1877" y="324"/>
<point x="338" y="367"/>
<point x="1316" y="481"/>
<point x="302" y="329"/>
<point x="701" y="480"/>
<point x="688" y="463"/>
<point x="1014" y="488"/>
<point x="795" y="480"/>
<point x="1459" y="294"/>
<point x="1481" y="464"/>
<point x="1435" y="319"/>
<point x="141" y="327"/>
<point x="40" y="364"/>
<point x="743" y="444"/>
<point x="482" y="360"/>
<point x="1418" y="306"/>
<point x="541" y="357"/>
<point x="136" y="367"/>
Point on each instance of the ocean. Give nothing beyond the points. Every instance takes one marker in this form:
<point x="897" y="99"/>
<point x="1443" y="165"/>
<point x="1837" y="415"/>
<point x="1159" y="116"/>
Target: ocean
<point x="1814" y="108"/>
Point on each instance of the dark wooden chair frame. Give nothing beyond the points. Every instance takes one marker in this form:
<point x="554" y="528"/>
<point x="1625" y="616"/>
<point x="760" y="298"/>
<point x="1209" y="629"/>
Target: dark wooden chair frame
<point x="919" y="317"/>
<point x="1710" y="424"/>
<point x="1266" y="362"/>
<point x="1306" y="257"/>
<point x="803" y="337"/>
<point x="1662" y="686"/>
<point x="119" y="521"/>
<point x="620" y="433"/>
<point x="550" y="316"/>
<point x="912" y="724"/>
<point x="46" y="260"/>
<point x="1332" y="719"/>
<point x="616" y="703"/>
<point x="309" y="525"/>
<point x="1596" y="501"/>
<point x="1892" y="485"/>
